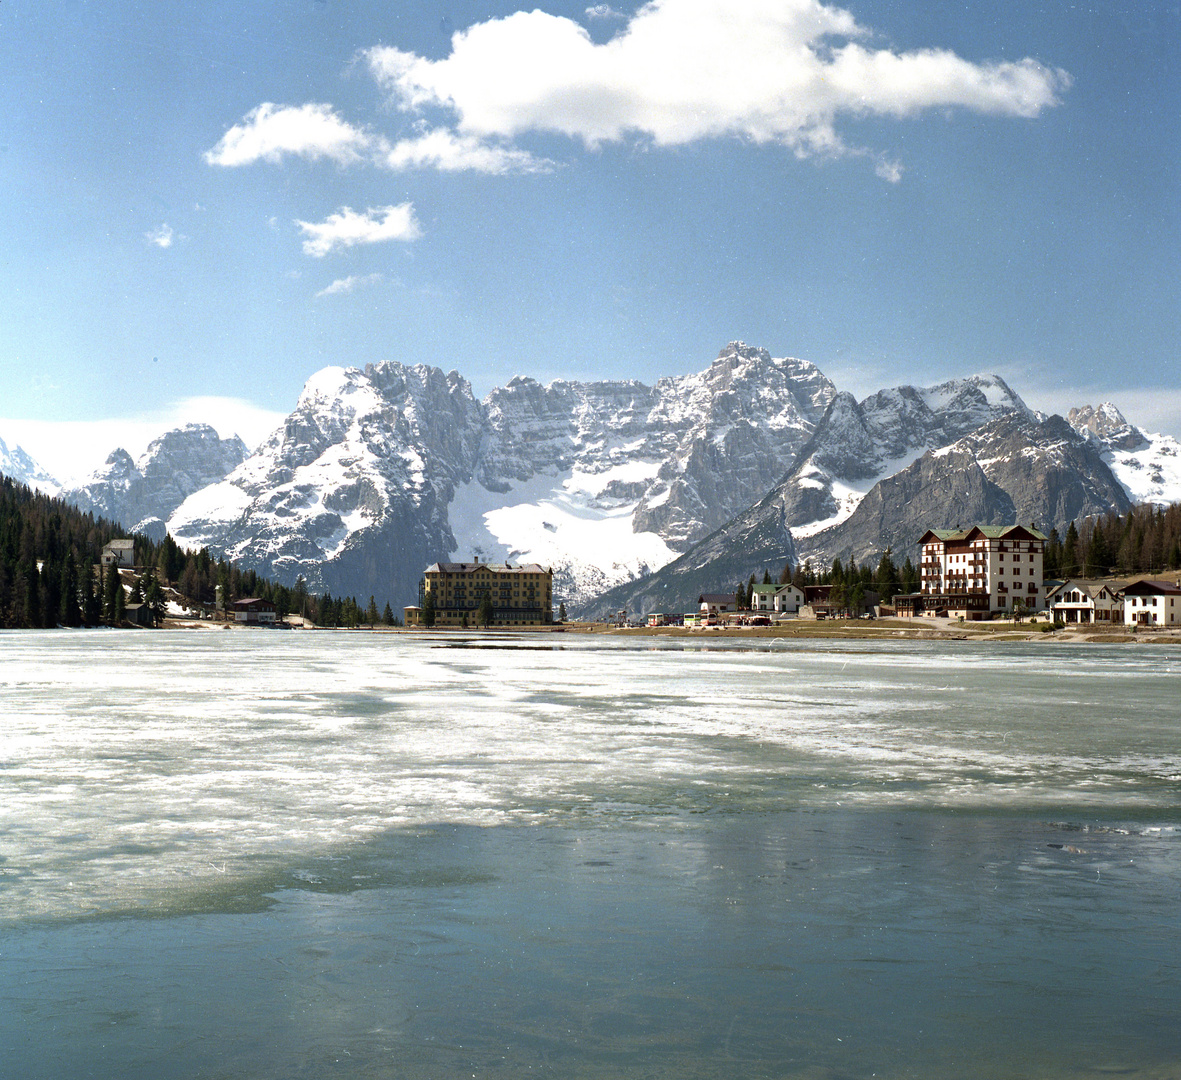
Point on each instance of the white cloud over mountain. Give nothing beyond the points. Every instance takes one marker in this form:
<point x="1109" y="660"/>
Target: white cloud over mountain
<point x="347" y="227"/>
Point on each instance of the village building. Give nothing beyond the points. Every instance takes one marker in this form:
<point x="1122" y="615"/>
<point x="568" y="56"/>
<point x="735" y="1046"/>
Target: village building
<point x="714" y="604"/>
<point x="139" y="615"/>
<point x="1152" y="603"/>
<point x="254" y="611"/>
<point x="974" y="573"/>
<point x="520" y="595"/>
<point x="1077" y="601"/>
<point x="787" y="600"/>
<point x="121" y="553"/>
<point x="762" y="597"/>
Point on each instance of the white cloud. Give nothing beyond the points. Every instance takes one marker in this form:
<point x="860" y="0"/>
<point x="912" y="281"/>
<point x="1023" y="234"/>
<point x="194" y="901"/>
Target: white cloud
<point x="443" y="149"/>
<point x="771" y="71"/>
<point x="604" y="11"/>
<point x="311" y="131"/>
<point x="161" y="237"/>
<point x="72" y="450"/>
<point x="315" y="131"/>
<point x="345" y="285"/>
<point x="347" y="227"/>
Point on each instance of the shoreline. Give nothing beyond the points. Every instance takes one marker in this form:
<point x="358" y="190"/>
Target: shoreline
<point x="893" y="629"/>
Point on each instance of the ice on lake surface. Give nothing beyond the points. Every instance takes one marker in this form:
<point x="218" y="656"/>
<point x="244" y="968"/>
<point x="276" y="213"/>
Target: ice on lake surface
<point x="279" y="854"/>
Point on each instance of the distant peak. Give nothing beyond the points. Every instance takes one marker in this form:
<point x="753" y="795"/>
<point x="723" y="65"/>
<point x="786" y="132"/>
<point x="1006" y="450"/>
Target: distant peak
<point x="1104" y="419"/>
<point x="744" y="351"/>
<point x="1107" y="425"/>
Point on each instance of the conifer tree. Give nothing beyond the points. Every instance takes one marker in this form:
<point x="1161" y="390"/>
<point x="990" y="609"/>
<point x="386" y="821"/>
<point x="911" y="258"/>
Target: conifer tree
<point x="1098" y="557"/>
<point x="51" y="596"/>
<point x="1070" y="559"/>
<point x="910" y="577"/>
<point x="32" y="613"/>
<point x="71" y="608"/>
<point x="91" y="599"/>
<point x="154" y="598"/>
<point x="112" y="587"/>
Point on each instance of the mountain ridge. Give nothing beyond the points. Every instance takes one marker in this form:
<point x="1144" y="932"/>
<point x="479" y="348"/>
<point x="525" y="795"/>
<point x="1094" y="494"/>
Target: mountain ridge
<point x="627" y="490"/>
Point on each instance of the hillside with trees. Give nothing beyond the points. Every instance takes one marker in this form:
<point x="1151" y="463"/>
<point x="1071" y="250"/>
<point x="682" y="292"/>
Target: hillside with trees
<point x="51" y="573"/>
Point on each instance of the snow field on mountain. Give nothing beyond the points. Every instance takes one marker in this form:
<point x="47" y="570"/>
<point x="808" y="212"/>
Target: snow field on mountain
<point x="849" y="493"/>
<point x="558" y="520"/>
<point x="1151" y="474"/>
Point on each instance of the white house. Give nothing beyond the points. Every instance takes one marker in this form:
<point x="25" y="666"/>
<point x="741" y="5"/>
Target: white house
<point x="1152" y="603"/>
<point x="119" y="552"/>
<point x="1085" y="602"/>
<point x="762" y="598"/>
<point x="787" y="600"/>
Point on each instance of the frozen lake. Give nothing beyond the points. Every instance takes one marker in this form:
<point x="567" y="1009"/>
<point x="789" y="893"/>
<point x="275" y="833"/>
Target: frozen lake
<point x="271" y="855"/>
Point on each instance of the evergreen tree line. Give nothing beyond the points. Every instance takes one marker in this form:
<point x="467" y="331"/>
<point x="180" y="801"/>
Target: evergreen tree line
<point x="849" y="583"/>
<point x="50" y="573"/>
<point x="1146" y="540"/>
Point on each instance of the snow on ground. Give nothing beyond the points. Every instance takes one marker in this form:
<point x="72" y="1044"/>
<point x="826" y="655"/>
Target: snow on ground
<point x="592" y="484"/>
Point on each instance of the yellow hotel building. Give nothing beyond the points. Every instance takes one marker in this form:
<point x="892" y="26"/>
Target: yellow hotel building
<point x="521" y="595"/>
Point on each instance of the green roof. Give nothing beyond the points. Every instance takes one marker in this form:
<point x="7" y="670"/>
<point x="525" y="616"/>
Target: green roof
<point x="991" y="532"/>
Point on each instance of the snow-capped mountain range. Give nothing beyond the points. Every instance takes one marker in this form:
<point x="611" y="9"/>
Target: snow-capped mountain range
<point x="142" y="494"/>
<point x="633" y="493"/>
<point x="379" y="472"/>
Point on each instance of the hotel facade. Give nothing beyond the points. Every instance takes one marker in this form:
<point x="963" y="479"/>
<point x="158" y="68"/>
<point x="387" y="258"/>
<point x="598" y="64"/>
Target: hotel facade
<point x="976" y="572"/>
<point x="520" y="595"/>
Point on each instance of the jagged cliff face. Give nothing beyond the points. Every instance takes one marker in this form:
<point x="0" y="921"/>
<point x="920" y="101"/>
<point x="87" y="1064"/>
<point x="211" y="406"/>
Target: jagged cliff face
<point x="699" y="448"/>
<point x="141" y="495"/>
<point x="859" y="443"/>
<point x="1015" y="469"/>
<point x="352" y="491"/>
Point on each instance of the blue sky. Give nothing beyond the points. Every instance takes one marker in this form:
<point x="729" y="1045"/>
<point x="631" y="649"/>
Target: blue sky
<point x="202" y="205"/>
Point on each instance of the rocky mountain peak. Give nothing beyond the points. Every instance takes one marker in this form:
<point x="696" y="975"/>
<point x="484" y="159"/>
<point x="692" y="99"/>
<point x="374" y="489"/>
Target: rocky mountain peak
<point x="142" y="494"/>
<point x="1106" y="425"/>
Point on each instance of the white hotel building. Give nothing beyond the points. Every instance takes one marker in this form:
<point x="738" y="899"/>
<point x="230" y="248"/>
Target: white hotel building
<point x="987" y="568"/>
